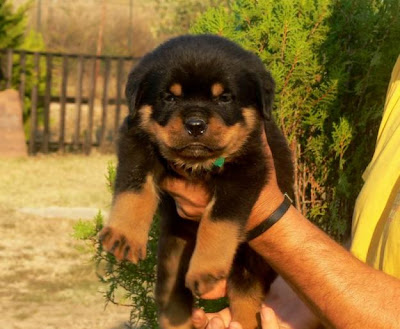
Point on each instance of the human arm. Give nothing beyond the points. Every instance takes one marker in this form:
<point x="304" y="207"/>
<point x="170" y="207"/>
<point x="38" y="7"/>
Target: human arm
<point x="340" y="289"/>
<point x="344" y="292"/>
<point x="291" y="312"/>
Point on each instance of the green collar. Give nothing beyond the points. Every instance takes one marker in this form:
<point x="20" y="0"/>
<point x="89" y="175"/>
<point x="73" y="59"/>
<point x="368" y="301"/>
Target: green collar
<point x="219" y="162"/>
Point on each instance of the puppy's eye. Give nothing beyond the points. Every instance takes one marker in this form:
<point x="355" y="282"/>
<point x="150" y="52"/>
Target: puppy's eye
<point x="225" y="98"/>
<point x="169" y="98"/>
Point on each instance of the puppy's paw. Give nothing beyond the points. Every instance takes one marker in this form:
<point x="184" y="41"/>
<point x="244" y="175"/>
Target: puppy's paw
<point x="201" y="282"/>
<point x="122" y="246"/>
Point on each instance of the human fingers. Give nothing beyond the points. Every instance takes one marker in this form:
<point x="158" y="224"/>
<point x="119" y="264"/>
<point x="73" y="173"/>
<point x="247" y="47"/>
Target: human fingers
<point x="268" y="318"/>
<point x="216" y="323"/>
<point x="199" y="319"/>
<point x="264" y="140"/>
<point x="270" y="160"/>
<point x="202" y="320"/>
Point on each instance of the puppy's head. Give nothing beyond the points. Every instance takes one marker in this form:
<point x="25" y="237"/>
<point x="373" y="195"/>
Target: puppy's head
<point x="200" y="98"/>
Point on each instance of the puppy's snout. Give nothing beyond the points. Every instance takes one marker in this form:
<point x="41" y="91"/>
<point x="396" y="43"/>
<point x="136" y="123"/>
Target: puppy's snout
<point x="195" y="126"/>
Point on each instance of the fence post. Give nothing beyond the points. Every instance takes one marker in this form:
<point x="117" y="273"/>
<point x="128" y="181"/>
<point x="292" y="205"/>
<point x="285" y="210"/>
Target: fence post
<point x="47" y="99"/>
<point x="34" y="102"/>
<point x="22" y="63"/>
<point x="63" y="99"/>
<point x="78" y="101"/>
<point x="88" y="141"/>
<point x="105" y="102"/>
<point x="9" y="68"/>
<point x="120" y="67"/>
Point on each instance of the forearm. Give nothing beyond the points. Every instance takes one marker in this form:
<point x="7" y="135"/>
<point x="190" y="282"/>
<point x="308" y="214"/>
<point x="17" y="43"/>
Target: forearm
<point x="343" y="291"/>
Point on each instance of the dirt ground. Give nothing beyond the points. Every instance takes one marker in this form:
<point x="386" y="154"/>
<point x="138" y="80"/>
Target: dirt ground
<point x="45" y="280"/>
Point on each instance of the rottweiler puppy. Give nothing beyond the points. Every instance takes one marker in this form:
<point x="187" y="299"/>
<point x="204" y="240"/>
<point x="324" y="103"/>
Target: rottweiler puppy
<point x="198" y="105"/>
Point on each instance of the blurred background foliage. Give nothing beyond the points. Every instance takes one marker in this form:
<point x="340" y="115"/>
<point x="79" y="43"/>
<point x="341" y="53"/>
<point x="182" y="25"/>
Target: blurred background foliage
<point x="118" y="27"/>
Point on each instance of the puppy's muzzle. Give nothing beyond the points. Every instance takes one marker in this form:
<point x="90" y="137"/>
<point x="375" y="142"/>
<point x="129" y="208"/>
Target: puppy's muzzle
<point x="195" y="126"/>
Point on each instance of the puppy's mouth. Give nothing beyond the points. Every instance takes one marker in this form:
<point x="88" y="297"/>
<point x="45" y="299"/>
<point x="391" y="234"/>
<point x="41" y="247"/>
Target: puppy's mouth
<point x="197" y="150"/>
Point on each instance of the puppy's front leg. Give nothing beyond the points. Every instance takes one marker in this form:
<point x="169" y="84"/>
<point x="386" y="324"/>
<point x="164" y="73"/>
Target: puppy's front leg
<point x="129" y="223"/>
<point x="135" y="199"/>
<point x="220" y="232"/>
<point x="216" y="244"/>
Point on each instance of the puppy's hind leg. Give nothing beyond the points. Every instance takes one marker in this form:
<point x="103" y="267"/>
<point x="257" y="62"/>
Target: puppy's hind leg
<point x="176" y="245"/>
<point x="248" y="284"/>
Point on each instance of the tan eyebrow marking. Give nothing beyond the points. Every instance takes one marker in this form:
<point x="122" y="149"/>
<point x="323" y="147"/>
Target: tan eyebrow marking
<point x="176" y="89"/>
<point x="217" y="89"/>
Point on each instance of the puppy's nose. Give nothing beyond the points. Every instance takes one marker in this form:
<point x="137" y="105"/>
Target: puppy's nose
<point x="195" y="126"/>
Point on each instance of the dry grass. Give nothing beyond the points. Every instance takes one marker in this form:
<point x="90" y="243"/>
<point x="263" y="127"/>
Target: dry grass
<point x="54" y="180"/>
<point x="45" y="282"/>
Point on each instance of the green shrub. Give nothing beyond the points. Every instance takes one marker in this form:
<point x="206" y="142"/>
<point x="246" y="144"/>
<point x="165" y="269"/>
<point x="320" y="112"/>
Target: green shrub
<point x="12" y="25"/>
<point x="126" y="284"/>
<point x="331" y="60"/>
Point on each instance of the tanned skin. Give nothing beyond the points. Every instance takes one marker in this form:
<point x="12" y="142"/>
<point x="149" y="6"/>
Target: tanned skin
<point x="341" y="290"/>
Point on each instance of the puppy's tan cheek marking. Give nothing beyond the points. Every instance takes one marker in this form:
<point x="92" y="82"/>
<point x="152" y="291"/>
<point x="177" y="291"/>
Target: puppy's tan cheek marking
<point x="176" y="89"/>
<point x="250" y="118"/>
<point x="145" y="118"/>
<point x="170" y="132"/>
<point x="217" y="89"/>
<point x="235" y="136"/>
<point x="166" y="134"/>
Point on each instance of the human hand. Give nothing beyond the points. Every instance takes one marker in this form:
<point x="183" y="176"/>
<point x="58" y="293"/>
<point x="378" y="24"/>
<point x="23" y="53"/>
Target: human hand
<point x="222" y="320"/>
<point x="282" y="309"/>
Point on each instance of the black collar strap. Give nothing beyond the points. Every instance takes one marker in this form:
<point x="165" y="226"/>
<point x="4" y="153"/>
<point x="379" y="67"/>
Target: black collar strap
<point x="271" y="220"/>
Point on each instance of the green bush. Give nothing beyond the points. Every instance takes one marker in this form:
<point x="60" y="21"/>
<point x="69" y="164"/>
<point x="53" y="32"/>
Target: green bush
<point x="331" y="60"/>
<point x="12" y="25"/>
<point x="126" y="284"/>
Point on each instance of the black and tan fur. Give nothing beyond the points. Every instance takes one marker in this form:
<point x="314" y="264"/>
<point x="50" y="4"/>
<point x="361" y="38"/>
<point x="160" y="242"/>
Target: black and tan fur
<point x="193" y="100"/>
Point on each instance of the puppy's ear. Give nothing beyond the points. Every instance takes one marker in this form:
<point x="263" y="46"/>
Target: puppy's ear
<point x="133" y="91"/>
<point x="265" y="95"/>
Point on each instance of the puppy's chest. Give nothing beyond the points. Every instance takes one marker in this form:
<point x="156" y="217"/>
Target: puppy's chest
<point x="194" y="175"/>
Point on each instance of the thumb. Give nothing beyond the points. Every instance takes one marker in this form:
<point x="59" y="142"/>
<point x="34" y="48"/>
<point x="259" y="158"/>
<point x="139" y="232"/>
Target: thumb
<point x="268" y="318"/>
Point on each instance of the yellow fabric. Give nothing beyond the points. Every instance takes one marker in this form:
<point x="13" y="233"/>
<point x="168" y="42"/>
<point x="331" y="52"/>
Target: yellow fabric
<point x="376" y="219"/>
